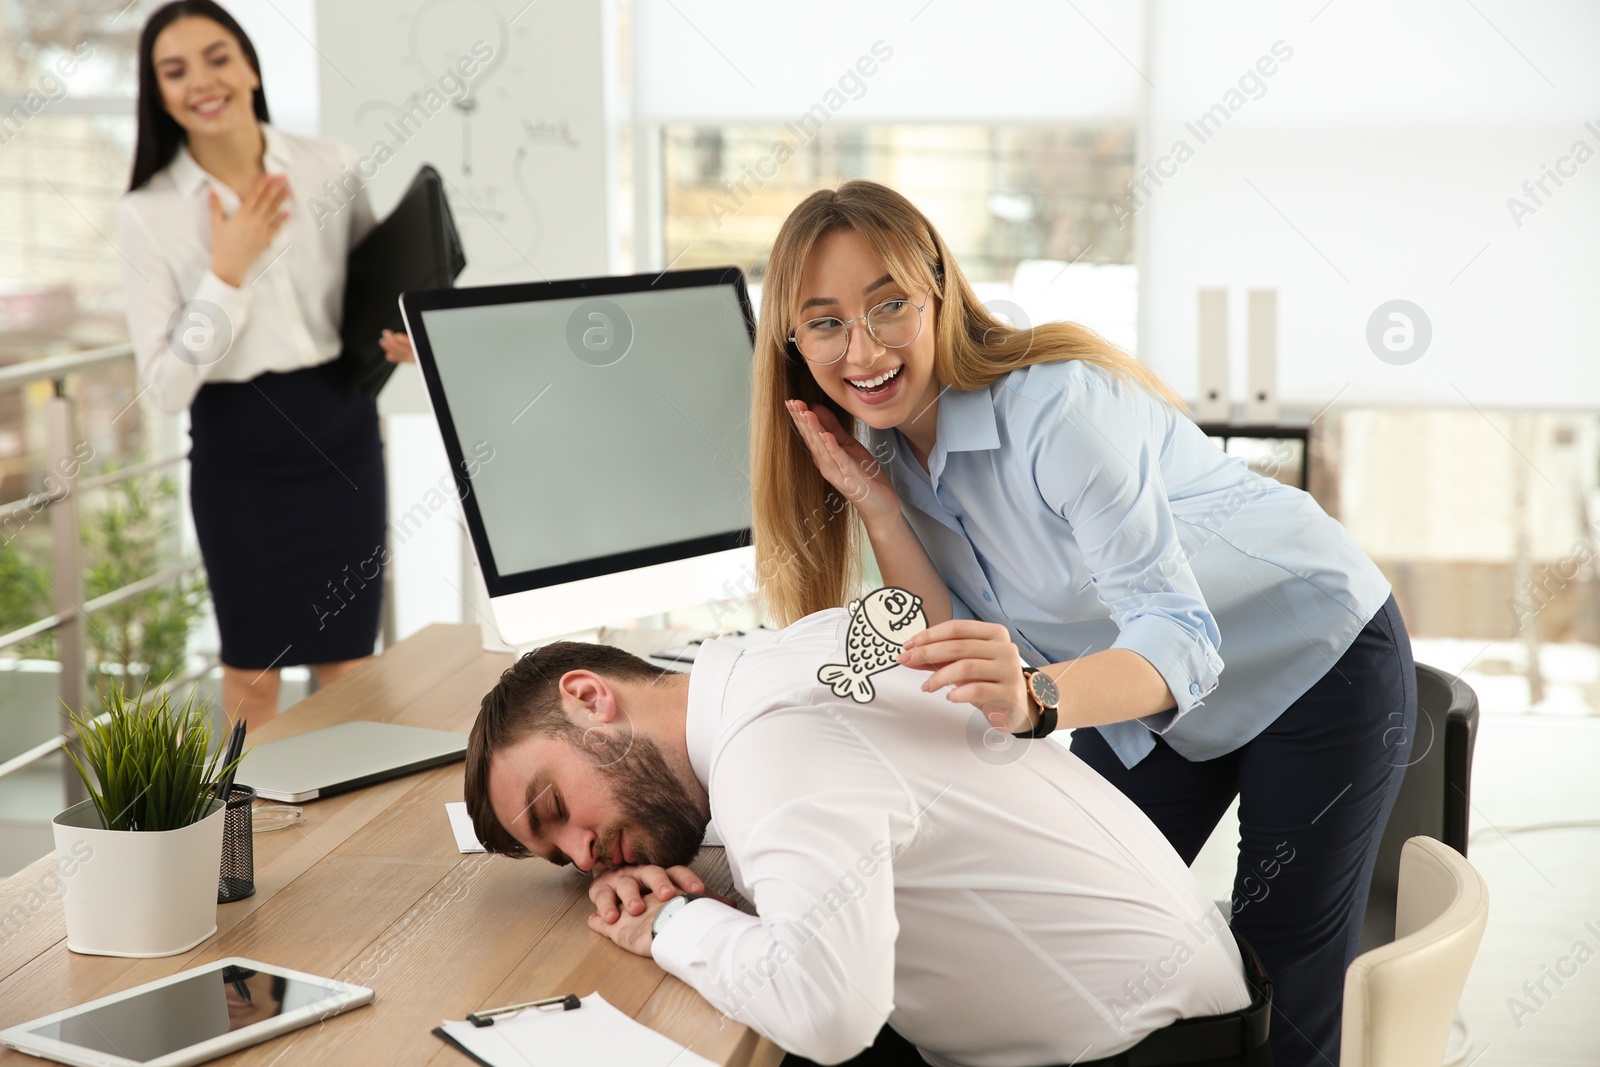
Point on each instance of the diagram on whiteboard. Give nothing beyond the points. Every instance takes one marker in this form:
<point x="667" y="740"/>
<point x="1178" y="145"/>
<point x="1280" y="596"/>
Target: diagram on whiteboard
<point x="471" y="89"/>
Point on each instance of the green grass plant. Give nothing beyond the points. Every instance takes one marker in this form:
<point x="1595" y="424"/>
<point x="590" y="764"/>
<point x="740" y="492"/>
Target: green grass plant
<point x="148" y="764"/>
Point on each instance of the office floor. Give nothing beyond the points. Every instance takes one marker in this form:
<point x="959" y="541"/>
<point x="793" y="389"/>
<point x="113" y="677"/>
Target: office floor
<point x="1544" y="891"/>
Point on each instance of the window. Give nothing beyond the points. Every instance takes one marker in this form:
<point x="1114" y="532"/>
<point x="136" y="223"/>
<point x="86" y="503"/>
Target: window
<point x="1001" y="196"/>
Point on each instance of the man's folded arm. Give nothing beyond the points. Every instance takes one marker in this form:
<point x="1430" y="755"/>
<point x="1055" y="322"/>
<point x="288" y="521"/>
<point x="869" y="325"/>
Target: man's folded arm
<point x="814" y="969"/>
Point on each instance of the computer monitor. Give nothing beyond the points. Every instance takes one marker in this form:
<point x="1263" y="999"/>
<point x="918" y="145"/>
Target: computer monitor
<point x="598" y="432"/>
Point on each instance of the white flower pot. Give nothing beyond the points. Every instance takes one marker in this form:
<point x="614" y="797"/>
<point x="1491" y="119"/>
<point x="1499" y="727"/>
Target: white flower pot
<point x="137" y="893"/>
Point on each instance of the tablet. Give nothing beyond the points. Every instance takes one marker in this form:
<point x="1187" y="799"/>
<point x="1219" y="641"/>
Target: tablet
<point x="186" y="1018"/>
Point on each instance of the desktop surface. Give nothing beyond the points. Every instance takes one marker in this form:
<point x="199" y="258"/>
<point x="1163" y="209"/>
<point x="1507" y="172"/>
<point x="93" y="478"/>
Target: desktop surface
<point x="370" y="889"/>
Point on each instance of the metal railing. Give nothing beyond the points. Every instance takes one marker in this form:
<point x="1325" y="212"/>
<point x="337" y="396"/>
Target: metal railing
<point x="70" y="618"/>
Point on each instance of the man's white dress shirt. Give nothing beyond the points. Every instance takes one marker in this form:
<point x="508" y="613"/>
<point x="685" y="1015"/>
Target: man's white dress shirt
<point x="288" y="312"/>
<point x="995" y="900"/>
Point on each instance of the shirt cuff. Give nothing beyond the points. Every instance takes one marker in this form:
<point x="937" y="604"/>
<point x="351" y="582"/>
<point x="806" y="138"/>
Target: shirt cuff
<point x="1189" y="665"/>
<point x="675" y="947"/>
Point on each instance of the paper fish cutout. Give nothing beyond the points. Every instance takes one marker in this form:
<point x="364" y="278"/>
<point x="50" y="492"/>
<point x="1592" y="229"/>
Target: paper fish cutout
<point x="880" y="623"/>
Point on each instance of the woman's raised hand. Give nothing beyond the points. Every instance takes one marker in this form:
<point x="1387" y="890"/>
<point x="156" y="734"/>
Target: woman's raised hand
<point x="238" y="240"/>
<point x="846" y="463"/>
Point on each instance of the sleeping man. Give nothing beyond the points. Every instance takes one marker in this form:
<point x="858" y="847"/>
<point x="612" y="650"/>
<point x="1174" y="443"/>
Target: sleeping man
<point x="995" y="904"/>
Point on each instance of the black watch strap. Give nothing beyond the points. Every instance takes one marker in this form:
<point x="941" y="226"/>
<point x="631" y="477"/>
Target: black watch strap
<point x="1045" y="726"/>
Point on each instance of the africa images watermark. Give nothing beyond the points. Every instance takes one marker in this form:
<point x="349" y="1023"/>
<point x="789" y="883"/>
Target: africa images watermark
<point x="1538" y="593"/>
<point x="54" y="488"/>
<point x="52" y="887"/>
<point x="851" y="886"/>
<point x="455" y="886"/>
<point x="51" y="87"/>
<point x="1202" y="129"/>
<point x="851" y="85"/>
<point x="1207" y="528"/>
<point x="1537" y="190"/>
<point x="404" y="528"/>
<point x="1140" y="991"/>
<point x="1536" y="992"/>
<point x="453" y="86"/>
<point x="737" y="595"/>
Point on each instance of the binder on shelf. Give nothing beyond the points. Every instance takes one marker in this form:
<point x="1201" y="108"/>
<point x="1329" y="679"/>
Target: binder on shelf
<point x="1261" y="403"/>
<point x="1211" y="406"/>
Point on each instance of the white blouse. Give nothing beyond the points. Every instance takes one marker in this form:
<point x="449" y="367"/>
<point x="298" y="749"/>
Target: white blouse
<point x="187" y="325"/>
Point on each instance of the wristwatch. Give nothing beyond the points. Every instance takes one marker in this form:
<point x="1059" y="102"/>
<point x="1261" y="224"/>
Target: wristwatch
<point x="1044" y="694"/>
<point x="668" y="910"/>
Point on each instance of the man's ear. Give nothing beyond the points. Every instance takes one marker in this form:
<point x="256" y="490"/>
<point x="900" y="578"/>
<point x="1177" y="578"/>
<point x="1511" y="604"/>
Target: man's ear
<point x="593" y="693"/>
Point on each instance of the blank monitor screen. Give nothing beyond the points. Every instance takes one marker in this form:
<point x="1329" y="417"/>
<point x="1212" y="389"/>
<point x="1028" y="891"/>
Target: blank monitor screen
<point x="604" y="422"/>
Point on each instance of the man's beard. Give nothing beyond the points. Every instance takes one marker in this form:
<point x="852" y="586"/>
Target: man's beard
<point x="665" y="825"/>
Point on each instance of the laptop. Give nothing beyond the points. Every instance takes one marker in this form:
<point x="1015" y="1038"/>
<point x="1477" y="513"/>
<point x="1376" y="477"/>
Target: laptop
<point x="323" y="763"/>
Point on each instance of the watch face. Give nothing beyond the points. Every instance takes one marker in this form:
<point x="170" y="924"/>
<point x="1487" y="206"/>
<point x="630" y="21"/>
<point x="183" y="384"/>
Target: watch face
<point x="1044" y="689"/>
<point x="668" y="910"/>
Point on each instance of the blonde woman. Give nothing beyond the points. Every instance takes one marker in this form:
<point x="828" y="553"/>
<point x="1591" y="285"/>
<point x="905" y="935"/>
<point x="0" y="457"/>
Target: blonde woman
<point x="1046" y="496"/>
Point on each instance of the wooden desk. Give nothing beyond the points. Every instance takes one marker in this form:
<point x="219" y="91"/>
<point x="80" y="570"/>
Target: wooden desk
<point x="370" y="889"/>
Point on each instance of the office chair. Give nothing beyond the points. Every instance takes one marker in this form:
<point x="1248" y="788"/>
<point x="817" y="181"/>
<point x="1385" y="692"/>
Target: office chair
<point x="1400" y="999"/>
<point x="1434" y="798"/>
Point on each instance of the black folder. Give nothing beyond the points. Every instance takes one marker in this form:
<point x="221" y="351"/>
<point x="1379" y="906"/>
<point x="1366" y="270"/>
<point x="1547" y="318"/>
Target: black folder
<point x="416" y="247"/>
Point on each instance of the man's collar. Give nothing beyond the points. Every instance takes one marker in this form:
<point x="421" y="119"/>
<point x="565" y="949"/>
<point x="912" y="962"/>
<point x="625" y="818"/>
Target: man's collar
<point x="708" y="684"/>
<point x="190" y="177"/>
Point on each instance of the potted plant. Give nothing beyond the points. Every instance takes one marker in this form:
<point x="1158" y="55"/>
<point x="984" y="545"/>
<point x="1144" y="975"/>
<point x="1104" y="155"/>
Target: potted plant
<point x="149" y="838"/>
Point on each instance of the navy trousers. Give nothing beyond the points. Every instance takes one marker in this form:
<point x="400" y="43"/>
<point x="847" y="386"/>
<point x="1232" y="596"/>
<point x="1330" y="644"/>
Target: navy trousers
<point x="1315" y="789"/>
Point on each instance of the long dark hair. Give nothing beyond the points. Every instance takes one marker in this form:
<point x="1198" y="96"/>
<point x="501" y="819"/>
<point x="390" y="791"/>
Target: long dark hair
<point x="159" y="133"/>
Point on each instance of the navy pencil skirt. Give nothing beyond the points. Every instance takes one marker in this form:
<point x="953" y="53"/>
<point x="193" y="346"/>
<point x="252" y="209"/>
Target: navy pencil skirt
<point x="287" y="489"/>
<point x="1315" y="789"/>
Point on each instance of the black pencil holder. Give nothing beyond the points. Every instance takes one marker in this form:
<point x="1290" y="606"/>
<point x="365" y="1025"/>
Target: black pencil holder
<point x="238" y="877"/>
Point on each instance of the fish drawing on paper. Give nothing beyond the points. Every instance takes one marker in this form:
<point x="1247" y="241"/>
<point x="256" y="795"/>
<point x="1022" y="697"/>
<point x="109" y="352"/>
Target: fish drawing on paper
<point x="880" y="623"/>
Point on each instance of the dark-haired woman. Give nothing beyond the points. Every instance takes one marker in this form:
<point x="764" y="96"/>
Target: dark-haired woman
<point x="234" y="293"/>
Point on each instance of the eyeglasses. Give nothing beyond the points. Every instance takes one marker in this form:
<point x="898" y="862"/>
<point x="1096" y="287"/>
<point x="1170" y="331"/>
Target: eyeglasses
<point x="893" y="324"/>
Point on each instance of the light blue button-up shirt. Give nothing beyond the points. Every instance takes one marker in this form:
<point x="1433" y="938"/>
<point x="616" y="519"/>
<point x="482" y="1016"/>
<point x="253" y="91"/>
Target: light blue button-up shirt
<point x="1083" y="513"/>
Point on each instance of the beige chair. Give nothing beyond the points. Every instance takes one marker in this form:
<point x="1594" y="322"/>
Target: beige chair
<point x="1399" y="999"/>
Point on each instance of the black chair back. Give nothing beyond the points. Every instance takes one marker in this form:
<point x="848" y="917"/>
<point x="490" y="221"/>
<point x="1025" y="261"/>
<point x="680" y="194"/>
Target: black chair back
<point x="1435" y="794"/>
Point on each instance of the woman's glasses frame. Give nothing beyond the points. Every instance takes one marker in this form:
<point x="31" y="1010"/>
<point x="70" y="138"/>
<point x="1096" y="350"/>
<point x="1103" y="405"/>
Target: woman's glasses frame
<point x="867" y="318"/>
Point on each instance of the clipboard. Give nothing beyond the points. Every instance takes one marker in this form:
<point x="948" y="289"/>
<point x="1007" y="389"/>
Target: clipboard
<point x="416" y="247"/>
<point x="568" y="1039"/>
<point x="444" y="1035"/>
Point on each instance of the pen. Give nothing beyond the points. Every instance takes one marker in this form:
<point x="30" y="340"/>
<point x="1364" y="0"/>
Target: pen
<point x="565" y="1003"/>
<point x="224" y="788"/>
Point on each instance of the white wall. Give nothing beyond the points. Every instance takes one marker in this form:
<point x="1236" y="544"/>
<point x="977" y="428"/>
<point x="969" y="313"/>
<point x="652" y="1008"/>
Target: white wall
<point x="945" y="60"/>
<point x="284" y="35"/>
<point x="1377" y="164"/>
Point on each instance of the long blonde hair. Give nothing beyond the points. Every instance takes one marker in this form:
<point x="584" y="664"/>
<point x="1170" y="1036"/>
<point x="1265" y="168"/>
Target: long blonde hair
<point x="808" y="549"/>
